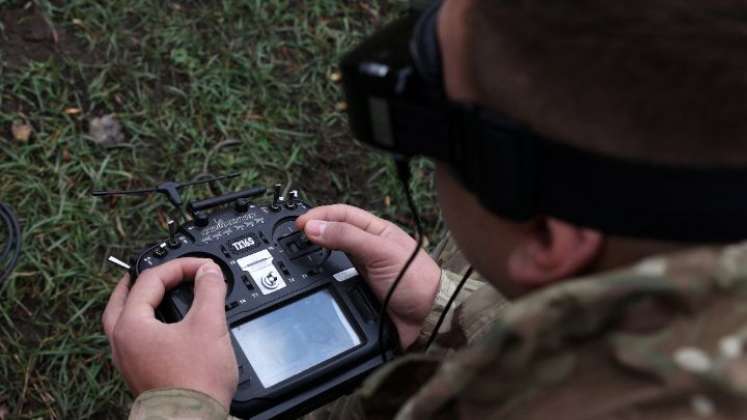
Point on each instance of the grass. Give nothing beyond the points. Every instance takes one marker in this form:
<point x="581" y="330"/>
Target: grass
<point x="199" y="87"/>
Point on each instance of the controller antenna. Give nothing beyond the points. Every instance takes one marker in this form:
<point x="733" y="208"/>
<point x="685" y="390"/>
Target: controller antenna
<point x="170" y="189"/>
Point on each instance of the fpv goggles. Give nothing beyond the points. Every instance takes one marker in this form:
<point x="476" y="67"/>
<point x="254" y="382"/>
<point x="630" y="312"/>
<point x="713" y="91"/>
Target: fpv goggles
<point x="394" y="88"/>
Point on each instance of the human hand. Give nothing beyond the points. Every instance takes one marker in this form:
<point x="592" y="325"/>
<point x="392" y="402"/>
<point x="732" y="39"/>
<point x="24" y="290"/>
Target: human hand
<point x="194" y="353"/>
<point x="379" y="250"/>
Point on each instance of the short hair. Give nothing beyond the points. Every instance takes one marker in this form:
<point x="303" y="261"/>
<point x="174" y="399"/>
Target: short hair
<point x="658" y="80"/>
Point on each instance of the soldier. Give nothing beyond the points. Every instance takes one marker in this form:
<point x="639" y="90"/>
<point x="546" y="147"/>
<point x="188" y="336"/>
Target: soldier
<point x="625" y="305"/>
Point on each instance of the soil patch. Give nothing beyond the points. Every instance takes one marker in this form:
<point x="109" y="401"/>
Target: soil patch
<point x="29" y="35"/>
<point x="339" y="163"/>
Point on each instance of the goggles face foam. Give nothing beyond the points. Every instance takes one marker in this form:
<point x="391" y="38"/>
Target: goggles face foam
<point x="393" y="84"/>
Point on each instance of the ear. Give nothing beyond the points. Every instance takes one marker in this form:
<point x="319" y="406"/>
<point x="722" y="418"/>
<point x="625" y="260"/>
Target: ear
<point x="552" y="251"/>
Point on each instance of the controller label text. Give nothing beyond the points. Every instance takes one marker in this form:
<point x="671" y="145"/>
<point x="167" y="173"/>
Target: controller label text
<point x="224" y="228"/>
<point x="243" y="244"/>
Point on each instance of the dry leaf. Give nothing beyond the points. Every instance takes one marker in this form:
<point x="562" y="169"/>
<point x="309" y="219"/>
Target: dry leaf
<point x="341" y="106"/>
<point x="387" y="201"/>
<point x="21" y="131"/>
<point x="162" y="219"/>
<point x="106" y="130"/>
<point x="66" y="157"/>
<point x="251" y="116"/>
<point x="72" y="111"/>
<point x="77" y="22"/>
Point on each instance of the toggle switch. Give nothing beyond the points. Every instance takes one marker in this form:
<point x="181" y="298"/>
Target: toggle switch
<point x="292" y="202"/>
<point x="173" y="243"/>
<point x="277" y="200"/>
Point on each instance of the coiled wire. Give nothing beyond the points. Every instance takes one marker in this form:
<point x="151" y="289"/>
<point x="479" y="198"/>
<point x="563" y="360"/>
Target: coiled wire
<point x="11" y="249"/>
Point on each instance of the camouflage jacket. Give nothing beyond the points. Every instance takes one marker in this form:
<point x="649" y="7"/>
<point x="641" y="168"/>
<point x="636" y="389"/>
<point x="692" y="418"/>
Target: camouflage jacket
<point x="664" y="339"/>
<point x="182" y="404"/>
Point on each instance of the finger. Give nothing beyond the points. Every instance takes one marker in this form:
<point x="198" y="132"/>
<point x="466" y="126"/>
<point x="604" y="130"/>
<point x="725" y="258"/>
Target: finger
<point x="152" y="284"/>
<point x="116" y="305"/>
<point x="356" y="217"/>
<point x="345" y="237"/>
<point x="347" y="214"/>
<point x="208" y="307"/>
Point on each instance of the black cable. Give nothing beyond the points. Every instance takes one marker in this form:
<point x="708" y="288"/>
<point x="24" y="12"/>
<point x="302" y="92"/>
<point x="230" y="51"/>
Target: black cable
<point x="441" y="318"/>
<point x="403" y="173"/>
<point x="12" y="248"/>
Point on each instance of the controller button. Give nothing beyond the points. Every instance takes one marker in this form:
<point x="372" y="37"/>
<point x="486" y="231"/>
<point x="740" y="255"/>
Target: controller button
<point x="247" y="282"/>
<point x="241" y="205"/>
<point x="161" y="251"/>
<point x="201" y="218"/>
<point x="270" y="281"/>
<point x="283" y="268"/>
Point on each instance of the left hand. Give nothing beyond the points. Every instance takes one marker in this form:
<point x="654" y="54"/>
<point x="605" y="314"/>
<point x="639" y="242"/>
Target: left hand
<point x="194" y="353"/>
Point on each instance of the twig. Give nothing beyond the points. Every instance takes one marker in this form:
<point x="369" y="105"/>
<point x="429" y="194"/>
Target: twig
<point x="55" y="35"/>
<point x="376" y="175"/>
<point x="214" y="150"/>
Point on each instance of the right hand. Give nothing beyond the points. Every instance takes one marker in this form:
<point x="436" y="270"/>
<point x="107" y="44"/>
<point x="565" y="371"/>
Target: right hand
<point x="379" y="250"/>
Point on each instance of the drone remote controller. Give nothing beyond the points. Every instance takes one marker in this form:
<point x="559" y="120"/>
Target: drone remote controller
<point x="304" y="325"/>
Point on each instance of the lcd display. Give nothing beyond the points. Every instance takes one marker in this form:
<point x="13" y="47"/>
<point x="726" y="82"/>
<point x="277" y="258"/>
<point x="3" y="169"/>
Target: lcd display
<point x="296" y="337"/>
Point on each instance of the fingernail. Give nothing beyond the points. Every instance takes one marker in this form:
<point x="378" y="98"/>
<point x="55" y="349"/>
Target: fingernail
<point x="209" y="268"/>
<point x="315" y="228"/>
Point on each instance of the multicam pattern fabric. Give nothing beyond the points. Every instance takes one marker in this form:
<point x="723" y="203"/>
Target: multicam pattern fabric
<point x="464" y="322"/>
<point x="664" y="339"/>
<point x="177" y="404"/>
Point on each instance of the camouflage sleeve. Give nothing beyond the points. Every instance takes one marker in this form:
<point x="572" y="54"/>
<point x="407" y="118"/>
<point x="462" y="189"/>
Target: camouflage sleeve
<point x="449" y="282"/>
<point x="460" y="324"/>
<point x="181" y="404"/>
<point x="664" y="339"/>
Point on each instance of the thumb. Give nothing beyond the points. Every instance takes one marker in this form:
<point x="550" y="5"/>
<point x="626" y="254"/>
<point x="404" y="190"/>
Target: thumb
<point x="208" y="307"/>
<point x="344" y="237"/>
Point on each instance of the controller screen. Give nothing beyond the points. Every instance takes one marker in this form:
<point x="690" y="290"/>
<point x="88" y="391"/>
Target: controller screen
<point x="296" y="337"/>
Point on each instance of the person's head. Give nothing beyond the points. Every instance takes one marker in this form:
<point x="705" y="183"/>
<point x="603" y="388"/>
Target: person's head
<point x="661" y="81"/>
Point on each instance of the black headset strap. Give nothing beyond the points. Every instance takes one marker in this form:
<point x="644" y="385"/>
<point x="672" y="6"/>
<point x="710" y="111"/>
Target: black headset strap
<point x="519" y="175"/>
<point x="425" y="49"/>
